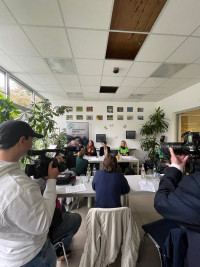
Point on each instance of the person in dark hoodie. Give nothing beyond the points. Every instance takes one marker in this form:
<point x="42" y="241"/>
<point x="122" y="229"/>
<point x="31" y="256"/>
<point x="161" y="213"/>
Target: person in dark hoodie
<point x="178" y="199"/>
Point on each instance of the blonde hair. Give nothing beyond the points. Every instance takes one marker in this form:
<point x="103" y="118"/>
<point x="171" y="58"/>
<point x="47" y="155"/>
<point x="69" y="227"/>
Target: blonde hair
<point x="82" y="152"/>
<point x="125" y="144"/>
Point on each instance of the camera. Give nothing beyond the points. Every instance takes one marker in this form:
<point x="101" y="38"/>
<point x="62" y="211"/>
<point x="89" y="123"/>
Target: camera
<point x="115" y="70"/>
<point x="39" y="168"/>
<point x="190" y="146"/>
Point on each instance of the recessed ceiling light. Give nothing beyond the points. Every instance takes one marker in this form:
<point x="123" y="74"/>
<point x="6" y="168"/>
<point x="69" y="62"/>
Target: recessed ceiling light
<point x="60" y="65"/>
<point x="167" y="70"/>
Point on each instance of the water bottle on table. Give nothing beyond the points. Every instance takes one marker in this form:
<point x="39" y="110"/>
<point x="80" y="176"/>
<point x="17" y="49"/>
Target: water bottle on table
<point x="143" y="173"/>
<point x="154" y="171"/>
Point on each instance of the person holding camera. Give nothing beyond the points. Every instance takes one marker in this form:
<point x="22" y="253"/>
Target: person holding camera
<point x="178" y="199"/>
<point x="26" y="215"/>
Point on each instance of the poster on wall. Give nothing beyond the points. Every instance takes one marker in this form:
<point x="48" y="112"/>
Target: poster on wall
<point x="78" y="132"/>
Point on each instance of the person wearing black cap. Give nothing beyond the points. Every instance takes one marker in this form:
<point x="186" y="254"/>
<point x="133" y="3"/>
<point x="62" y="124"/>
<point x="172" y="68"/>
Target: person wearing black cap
<point x="25" y="215"/>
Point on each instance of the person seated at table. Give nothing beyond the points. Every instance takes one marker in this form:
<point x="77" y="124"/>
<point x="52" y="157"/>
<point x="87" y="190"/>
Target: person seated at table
<point x="81" y="163"/>
<point x="104" y="149"/>
<point x="123" y="149"/>
<point x="90" y="150"/>
<point x="109" y="184"/>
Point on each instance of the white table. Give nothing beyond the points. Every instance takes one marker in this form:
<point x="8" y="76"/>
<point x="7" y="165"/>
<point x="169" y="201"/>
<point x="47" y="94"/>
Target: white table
<point x="123" y="159"/>
<point x="133" y="181"/>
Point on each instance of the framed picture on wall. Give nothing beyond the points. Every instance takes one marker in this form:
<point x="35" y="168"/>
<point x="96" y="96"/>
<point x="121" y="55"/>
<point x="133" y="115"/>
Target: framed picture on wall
<point x="99" y="117"/>
<point x="140" y="109"/>
<point x="120" y="109"/>
<point x="69" y="108"/>
<point x="110" y="109"/>
<point x="79" y="117"/>
<point x="89" y="117"/>
<point x="109" y="117"/>
<point x="129" y="109"/>
<point x="79" y="109"/>
<point x="69" y="117"/>
<point x="120" y="117"/>
<point x="129" y="118"/>
<point x="89" y="109"/>
<point x="140" y="118"/>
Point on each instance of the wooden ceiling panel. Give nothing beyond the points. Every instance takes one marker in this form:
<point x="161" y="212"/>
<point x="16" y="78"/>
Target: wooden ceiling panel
<point x="124" y="45"/>
<point x="135" y="15"/>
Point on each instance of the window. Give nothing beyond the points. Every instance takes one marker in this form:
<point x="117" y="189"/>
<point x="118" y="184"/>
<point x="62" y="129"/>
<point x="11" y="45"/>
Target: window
<point x="37" y="99"/>
<point x="2" y="83"/>
<point x="19" y="94"/>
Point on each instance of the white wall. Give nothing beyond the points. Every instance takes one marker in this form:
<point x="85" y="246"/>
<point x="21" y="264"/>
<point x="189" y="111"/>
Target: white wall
<point x="115" y="131"/>
<point x="185" y="100"/>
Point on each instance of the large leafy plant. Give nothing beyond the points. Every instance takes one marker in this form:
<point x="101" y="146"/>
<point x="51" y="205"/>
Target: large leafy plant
<point x="7" y="109"/>
<point x="157" y="124"/>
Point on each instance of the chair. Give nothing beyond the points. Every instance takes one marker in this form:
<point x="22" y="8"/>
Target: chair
<point x="158" y="232"/>
<point x="108" y="230"/>
<point x="61" y="244"/>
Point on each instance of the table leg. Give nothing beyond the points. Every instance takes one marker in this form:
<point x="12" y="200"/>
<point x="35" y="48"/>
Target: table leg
<point x="125" y="200"/>
<point x="89" y="202"/>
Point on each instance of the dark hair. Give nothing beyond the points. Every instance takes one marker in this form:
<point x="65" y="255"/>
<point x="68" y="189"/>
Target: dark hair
<point x="91" y="142"/>
<point x="110" y="163"/>
<point x="104" y="142"/>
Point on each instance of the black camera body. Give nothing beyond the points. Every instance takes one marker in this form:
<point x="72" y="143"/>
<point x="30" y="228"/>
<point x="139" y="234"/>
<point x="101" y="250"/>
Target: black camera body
<point x="40" y="166"/>
<point x="190" y="146"/>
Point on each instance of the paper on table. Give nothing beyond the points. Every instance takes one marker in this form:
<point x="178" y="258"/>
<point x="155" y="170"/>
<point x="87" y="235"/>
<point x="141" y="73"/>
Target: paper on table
<point x="75" y="188"/>
<point x="147" y="186"/>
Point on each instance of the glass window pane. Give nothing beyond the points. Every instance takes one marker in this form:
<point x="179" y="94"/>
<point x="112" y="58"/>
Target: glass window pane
<point x="19" y="94"/>
<point x="37" y="99"/>
<point x="2" y="83"/>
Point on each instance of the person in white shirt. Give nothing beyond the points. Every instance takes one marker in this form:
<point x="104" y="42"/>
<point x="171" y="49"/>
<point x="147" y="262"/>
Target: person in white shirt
<point x="25" y="215"/>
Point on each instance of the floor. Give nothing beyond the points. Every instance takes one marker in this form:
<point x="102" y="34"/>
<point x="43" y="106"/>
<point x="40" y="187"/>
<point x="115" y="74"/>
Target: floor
<point x="143" y="212"/>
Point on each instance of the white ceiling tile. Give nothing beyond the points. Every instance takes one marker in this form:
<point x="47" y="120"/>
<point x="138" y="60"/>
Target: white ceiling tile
<point x="90" y="80"/>
<point x="32" y="64"/>
<point x="50" y="42"/>
<point x="129" y="81"/>
<point x="191" y="71"/>
<point x="188" y="83"/>
<point x="106" y="96"/>
<point x="157" y="48"/>
<point x="172" y="83"/>
<point x="143" y="90"/>
<point x="92" y="89"/>
<point x="176" y="14"/>
<point x="89" y="66"/>
<point x="151" y="98"/>
<point x="45" y="78"/>
<point x="111" y="81"/>
<point x="153" y="82"/>
<point x="70" y="79"/>
<point x="71" y="88"/>
<point x="121" y="96"/>
<point x="187" y="52"/>
<point x="5" y="15"/>
<point x="48" y="95"/>
<point x="91" y="95"/>
<point x="197" y="32"/>
<point x="126" y="89"/>
<point x="123" y="65"/>
<point x="7" y="63"/>
<point x="88" y="43"/>
<point x="143" y="69"/>
<point x="197" y="61"/>
<point x="37" y="12"/>
<point x="53" y="88"/>
<point x="26" y="78"/>
<point x="158" y="91"/>
<point x="14" y="42"/>
<point x="93" y="14"/>
<point x="1" y="52"/>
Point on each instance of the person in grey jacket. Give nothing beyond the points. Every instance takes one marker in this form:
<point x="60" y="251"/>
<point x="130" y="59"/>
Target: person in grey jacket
<point x="25" y="215"/>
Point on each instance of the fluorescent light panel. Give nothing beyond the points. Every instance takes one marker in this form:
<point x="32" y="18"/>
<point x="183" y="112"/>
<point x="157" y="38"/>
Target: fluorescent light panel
<point x="60" y="65"/>
<point x="167" y="70"/>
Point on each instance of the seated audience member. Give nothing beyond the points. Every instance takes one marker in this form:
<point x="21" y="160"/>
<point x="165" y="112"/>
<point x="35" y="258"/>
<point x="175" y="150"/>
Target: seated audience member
<point x="75" y="145"/>
<point x="104" y="149"/>
<point x="124" y="151"/>
<point x="109" y="184"/>
<point x="90" y="150"/>
<point x="64" y="224"/>
<point x="26" y="215"/>
<point x="81" y="164"/>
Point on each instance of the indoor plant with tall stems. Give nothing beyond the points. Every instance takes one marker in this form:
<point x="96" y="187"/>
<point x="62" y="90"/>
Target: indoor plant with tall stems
<point x="157" y="124"/>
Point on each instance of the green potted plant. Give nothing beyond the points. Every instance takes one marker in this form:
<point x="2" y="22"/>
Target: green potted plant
<point x="7" y="109"/>
<point x="157" y="124"/>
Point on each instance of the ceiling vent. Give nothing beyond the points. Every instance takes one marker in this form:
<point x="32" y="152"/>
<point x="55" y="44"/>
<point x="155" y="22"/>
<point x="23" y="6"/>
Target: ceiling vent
<point x="167" y="70"/>
<point x="60" y="65"/>
<point x="108" y="89"/>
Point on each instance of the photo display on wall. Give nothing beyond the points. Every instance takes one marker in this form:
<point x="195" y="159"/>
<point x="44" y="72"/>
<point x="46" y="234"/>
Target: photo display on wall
<point x="120" y="117"/>
<point x="99" y="117"/>
<point x="120" y="109"/>
<point x="79" y="109"/>
<point x="129" y="118"/>
<point x="110" y="109"/>
<point x="109" y="117"/>
<point x="89" y="109"/>
<point x="89" y="117"/>
<point x="79" y="117"/>
<point x="129" y="109"/>
<point x="69" y="117"/>
<point x="69" y="109"/>
<point x="140" y="109"/>
<point x="140" y="118"/>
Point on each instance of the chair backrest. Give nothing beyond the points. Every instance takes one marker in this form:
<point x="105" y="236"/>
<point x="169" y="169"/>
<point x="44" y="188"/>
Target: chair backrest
<point x="108" y="230"/>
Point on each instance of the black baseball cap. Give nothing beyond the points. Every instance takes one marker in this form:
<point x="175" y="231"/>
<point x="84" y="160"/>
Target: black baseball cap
<point x="11" y="131"/>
